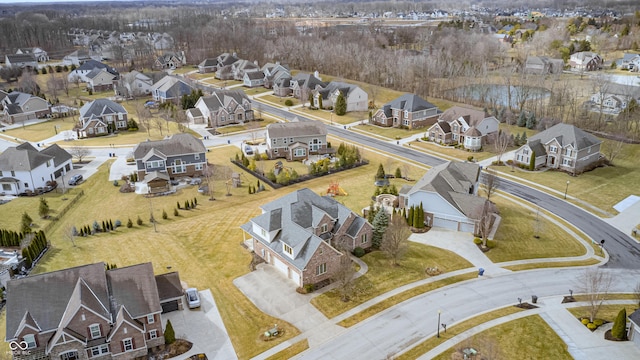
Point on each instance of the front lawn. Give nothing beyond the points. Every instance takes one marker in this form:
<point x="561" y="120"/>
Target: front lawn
<point x="606" y="312"/>
<point x="331" y="118"/>
<point x="277" y="100"/>
<point x="43" y="130"/>
<point x="515" y="237"/>
<point x="451" y="152"/>
<point x="391" y="133"/>
<point x="529" y="337"/>
<point x="382" y="276"/>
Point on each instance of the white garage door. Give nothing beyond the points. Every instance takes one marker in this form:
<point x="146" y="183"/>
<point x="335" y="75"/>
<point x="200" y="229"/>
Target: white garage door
<point x="445" y="223"/>
<point x="284" y="269"/>
<point x="636" y="337"/>
<point x="466" y="227"/>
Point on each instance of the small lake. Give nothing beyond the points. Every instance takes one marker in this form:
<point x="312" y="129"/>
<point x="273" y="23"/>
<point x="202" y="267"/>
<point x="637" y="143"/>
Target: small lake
<point x="498" y="94"/>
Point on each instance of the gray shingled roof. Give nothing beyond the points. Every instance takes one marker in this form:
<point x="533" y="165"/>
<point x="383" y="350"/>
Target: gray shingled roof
<point x="221" y="98"/>
<point x="343" y="87"/>
<point x="635" y="317"/>
<point x="169" y="286"/>
<point x="59" y="154"/>
<point x="100" y="107"/>
<point x="255" y="75"/>
<point x="566" y="134"/>
<point x="453" y="182"/>
<point x="471" y="116"/>
<point x="23" y="157"/>
<point x="410" y="102"/>
<point x="295" y="129"/>
<point x="293" y="215"/>
<point x="134" y="287"/>
<point x="46" y="296"/>
<point x="16" y="58"/>
<point x="177" y="144"/>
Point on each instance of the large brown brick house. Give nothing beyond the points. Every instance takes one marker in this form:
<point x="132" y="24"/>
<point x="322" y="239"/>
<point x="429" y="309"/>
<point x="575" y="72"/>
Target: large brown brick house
<point x="85" y="312"/>
<point x="303" y="235"/>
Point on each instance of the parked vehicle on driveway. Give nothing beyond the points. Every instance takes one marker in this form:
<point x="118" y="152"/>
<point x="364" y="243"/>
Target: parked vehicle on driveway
<point x="248" y="150"/>
<point x="193" y="298"/>
<point x="75" y="179"/>
<point x="196" y="181"/>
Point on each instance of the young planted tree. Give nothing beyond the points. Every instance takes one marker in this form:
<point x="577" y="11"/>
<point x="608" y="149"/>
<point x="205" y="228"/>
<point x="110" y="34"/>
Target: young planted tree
<point x="43" y="209"/>
<point x="484" y="215"/>
<point x="69" y="233"/>
<point x="395" y="239"/>
<point x="344" y="276"/>
<point x="380" y="174"/>
<point x="595" y="284"/>
<point x="491" y="182"/>
<point x="341" y="105"/>
<point x="79" y="152"/>
<point x="501" y="143"/>
<point x="169" y="334"/>
<point x="619" y="330"/>
<point x="26" y="223"/>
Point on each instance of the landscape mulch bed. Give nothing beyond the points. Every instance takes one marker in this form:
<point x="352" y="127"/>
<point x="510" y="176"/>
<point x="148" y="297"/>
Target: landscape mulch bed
<point x="179" y="347"/>
<point x="526" y="305"/>
<point x="608" y="336"/>
<point x="568" y="299"/>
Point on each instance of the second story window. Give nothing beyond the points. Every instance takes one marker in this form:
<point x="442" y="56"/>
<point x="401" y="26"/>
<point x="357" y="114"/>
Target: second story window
<point x="324" y="228"/>
<point x="288" y="249"/>
<point x="30" y="340"/>
<point x="553" y="149"/>
<point x="95" y="331"/>
<point x="151" y="319"/>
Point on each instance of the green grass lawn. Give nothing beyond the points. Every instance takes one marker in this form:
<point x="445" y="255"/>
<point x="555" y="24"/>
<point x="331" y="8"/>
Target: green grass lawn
<point x="540" y="265"/>
<point x="524" y="338"/>
<point x="253" y="125"/>
<point x="330" y="117"/>
<point x="277" y="100"/>
<point x="185" y="69"/>
<point x="43" y="130"/>
<point x="256" y="90"/>
<point x="382" y="276"/>
<point x="606" y="312"/>
<point x="451" y="151"/>
<point x="453" y="330"/>
<point x="291" y="351"/>
<point x="390" y="133"/>
<point x="514" y="238"/>
<point x="198" y="76"/>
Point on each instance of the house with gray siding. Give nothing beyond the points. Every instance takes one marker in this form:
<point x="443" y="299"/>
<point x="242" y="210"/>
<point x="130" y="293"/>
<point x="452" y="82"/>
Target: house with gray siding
<point x="88" y="312"/>
<point x="449" y="196"/>
<point x="170" y="88"/>
<point x="356" y="98"/>
<point x="101" y="117"/>
<point x="225" y="107"/>
<point x="304" y="236"/>
<point x="562" y="147"/>
<point x="466" y="126"/>
<point x="296" y="140"/>
<point x="543" y="65"/>
<point x="179" y="155"/>
<point x="408" y="111"/>
<point x="19" y="107"/>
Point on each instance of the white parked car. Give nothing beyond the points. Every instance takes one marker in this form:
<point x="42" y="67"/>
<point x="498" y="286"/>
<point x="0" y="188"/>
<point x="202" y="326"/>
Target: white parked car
<point x="193" y="298"/>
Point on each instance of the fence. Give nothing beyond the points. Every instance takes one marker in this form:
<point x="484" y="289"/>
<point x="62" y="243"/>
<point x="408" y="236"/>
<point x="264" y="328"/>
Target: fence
<point x="63" y="211"/>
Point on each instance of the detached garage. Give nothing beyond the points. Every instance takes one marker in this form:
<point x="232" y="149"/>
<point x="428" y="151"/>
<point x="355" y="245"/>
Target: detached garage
<point x="169" y="291"/>
<point x="634" y="329"/>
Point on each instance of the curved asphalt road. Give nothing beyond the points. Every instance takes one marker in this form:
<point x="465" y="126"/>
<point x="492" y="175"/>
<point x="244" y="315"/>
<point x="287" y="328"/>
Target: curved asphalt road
<point x="623" y="251"/>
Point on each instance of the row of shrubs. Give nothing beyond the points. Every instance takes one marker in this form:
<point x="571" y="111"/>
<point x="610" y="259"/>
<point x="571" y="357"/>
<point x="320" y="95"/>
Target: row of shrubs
<point x="86" y="230"/>
<point x="37" y="246"/>
<point x="10" y="237"/>
<point x="188" y="205"/>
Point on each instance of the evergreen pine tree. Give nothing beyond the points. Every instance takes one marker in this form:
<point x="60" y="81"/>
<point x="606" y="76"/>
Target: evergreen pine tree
<point x="175" y="212"/>
<point x="380" y="174"/>
<point x="619" y="325"/>
<point x="523" y="138"/>
<point x="178" y="204"/>
<point x="522" y="119"/>
<point x="371" y="213"/>
<point x="169" y="334"/>
<point x="531" y="121"/>
<point x="380" y="223"/>
<point x="516" y="140"/>
<point x="532" y="161"/>
<point x="410" y="217"/>
<point x="340" y="105"/>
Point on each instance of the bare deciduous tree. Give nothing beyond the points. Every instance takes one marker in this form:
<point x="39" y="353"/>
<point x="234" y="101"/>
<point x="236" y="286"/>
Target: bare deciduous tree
<point x="144" y="115"/>
<point x="79" y="152"/>
<point x="158" y="122"/>
<point x="612" y="149"/>
<point x="344" y="276"/>
<point x="395" y="238"/>
<point x="485" y="216"/>
<point x="501" y="143"/>
<point x="69" y="233"/>
<point x="595" y="284"/>
<point x="491" y="182"/>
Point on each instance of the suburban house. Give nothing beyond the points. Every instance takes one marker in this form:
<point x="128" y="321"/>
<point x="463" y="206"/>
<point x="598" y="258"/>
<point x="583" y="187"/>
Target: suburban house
<point x="20" y="60"/>
<point x="304" y="235"/>
<point x="225" y="107"/>
<point x="134" y="84"/>
<point x="24" y="169"/>
<point x="634" y="328"/>
<point x="88" y="312"/>
<point x="465" y="126"/>
<point x="19" y="106"/>
<point x="585" y="61"/>
<point x="543" y="65"/>
<point x="100" y="80"/>
<point x="356" y="98"/>
<point x="38" y="53"/>
<point x="241" y="67"/>
<point x="563" y="147"/>
<point x="87" y="67"/>
<point x="302" y="84"/>
<point x="296" y="140"/>
<point x="170" y="60"/>
<point x="613" y="98"/>
<point x="208" y="65"/>
<point x="80" y="56"/>
<point x="170" y="88"/>
<point x="101" y="117"/>
<point x="281" y="87"/>
<point x="408" y="110"/>
<point x="253" y="79"/>
<point x="449" y="196"/>
<point x="179" y="155"/>
<point x="274" y="73"/>
<point x="629" y="62"/>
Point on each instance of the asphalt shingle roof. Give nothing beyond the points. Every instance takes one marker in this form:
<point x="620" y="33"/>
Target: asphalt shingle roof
<point x="566" y="134"/>
<point x="295" y="129"/>
<point x="100" y="107"/>
<point x="177" y="144"/>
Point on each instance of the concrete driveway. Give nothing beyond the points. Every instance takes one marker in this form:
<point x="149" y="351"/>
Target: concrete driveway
<point x="204" y="328"/>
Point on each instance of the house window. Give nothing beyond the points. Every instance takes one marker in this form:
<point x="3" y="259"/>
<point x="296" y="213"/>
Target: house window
<point x="567" y="152"/>
<point x="196" y="156"/>
<point x="284" y="140"/>
<point x="179" y="167"/>
<point x="321" y="269"/>
<point x="26" y="185"/>
<point x="90" y="131"/>
<point x="99" y="350"/>
<point x="101" y="130"/>
<point x="153" y="334"/>
<point x="288" y="249"/>
<point x="300" y="152"/>
<point x="151" y="319"/>
<point x="291" y="140"/>
<point x="95" y="331"/>
<point x="69" y="355"/>
<point x="199" y="167"/>
<point x="406" y="122"/>
<point x="127" y="344"/>
<point x="363" y="238"/>
<point x="324" y="228"/>
<point x="433" y="134"/>
<point x="119" y="116"/>
<point x="155" y="164"/>
<point x="566" y="162"/>
<point x="6" y="187"/>
<point x="48" y="163"/>
<point x="273" y="141"/>
<point x="525" y="152"/>
<point x="0" y="173"/>
<point x="30" y="340"/>
<point x="122" y="124"/>
<point x="553" y="149"/>
<point x="263" y="233"/>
